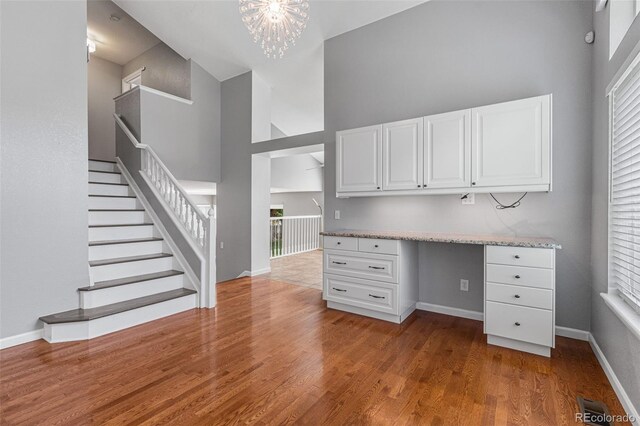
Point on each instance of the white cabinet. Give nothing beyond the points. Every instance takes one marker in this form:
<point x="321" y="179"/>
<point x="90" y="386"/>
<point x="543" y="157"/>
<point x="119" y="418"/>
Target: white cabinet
<point x="447" y="150"/>
<point x="359" y="160"/>
<point x="512" y="143"/>
<point x="402" y="148"/>
<point x="504" y="147"/>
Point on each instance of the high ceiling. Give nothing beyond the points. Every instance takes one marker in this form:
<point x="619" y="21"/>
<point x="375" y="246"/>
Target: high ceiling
<point x="211" y="33"/>
<point x="120" y="40"/>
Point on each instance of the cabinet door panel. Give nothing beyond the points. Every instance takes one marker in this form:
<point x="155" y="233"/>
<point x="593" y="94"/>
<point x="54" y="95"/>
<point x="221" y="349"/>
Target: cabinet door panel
<point x="402" y="155"/>
<point x="512" y="142"/>
<point x="358" y="159"/>
<point x="447" y="154"/>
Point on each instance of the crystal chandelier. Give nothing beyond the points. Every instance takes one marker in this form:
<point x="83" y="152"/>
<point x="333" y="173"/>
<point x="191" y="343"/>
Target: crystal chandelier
<point x="275" y="24"/>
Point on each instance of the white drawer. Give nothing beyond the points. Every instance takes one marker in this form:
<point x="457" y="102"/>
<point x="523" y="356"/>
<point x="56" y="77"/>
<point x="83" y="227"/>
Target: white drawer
<point x="365" y="294"/>
<point x="520" y="323"/>
<point x="521" y="256"/>
<point x="520" y="275"/>
<point x="341" y="243"/>
<point x="380" y="267"/>
<point x="518" y="295"/>
<point x="371" y="245"/>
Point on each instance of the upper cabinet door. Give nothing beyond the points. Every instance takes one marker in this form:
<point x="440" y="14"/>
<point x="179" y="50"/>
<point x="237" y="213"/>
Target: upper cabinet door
<point x="359" y="159"/>
<point x="447" y="152"/>
<point x="402" y="144"/>
<point x="512" y="143"/>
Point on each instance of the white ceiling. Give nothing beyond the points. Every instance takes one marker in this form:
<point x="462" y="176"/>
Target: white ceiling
<point x="119" y="41"/>
<point x="211" y="33"/>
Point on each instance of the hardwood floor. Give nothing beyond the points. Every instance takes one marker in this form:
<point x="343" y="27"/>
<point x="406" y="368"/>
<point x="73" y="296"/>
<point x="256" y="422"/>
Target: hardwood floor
<point x="271" y="353"/>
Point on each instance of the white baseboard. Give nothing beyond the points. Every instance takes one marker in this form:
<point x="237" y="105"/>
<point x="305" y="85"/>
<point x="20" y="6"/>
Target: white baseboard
<point x="254" y="273"/>
<point x="571" y="333"/>
<point x="615" y="383"/>
<point x="19" y="339"/>
<point x="454" y="312"/>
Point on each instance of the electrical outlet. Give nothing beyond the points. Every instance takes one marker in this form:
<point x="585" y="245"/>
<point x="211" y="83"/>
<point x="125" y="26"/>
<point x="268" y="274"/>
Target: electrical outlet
<point x="337" y="214"/>
<point x="469" y="199"/>
<point x="221" y="245"/>
<point x="464" y="285"/>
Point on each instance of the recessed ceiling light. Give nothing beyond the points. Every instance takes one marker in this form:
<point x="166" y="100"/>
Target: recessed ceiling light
<point x="114" y="18"/>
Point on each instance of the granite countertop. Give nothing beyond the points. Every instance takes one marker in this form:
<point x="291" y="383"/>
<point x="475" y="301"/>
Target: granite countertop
<point x="493" y="240"/>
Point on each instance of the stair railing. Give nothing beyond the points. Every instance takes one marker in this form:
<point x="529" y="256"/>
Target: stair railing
<point x="199" y="229"/>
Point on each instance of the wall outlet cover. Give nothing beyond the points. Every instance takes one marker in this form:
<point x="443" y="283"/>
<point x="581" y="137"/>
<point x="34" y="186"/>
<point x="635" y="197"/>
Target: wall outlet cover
<point x="469" y="199"/>
<point x="464" y="285"/>
<point x="337" y="215"/>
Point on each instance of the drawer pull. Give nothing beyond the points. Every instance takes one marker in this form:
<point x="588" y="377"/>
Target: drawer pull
<point x="517" y="296"/>
<point x="517" y="277"/>
<point x="339" y="289"/>
<point x="338" y="263"/>
<point x="376" y="267"/>
<point x="377" y="297"/>
<point x="517" y="324"/>
<point x="517" y="256"/>
<point x="376" y="246"/>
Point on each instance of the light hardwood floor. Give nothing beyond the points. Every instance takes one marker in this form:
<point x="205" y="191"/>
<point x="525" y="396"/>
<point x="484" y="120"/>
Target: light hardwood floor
<point x="303" y="269"/>
<point x="271" y="353"/>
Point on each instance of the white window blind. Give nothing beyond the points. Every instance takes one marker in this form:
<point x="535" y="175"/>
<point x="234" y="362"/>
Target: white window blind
<point x="624" y="202"/>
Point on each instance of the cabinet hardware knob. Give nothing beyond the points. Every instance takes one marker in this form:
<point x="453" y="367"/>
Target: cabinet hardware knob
<point x="517" y="256"/>
<point x="376" y="267"/>
<point x="376" y="297"/>
<point x="517" y="324"/>
<point x="376" y="246"/>
<point x="338" y="243"/>
<point x="473" y="183"/>
<point x="424" y="186"/>
<point x="517" y="296"/>
<point x="419" y="186"/>
<point x="378" y="187"/>
<point x="517" y="277"/>
<point x="339" y="289"/>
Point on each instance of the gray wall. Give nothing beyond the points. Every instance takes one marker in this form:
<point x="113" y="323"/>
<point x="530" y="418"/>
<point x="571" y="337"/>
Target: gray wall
<point x="186" y="137"/>
<point x="165" y="70"/>
<point x="299" y="172"/>
<point x="43" y="189"/>
<point x="233" y="198"/>
<point x="105" y="83"/>
<point x="298" y="203"/>
<point x="619" y="345"/>
<point x="444" y="56"/>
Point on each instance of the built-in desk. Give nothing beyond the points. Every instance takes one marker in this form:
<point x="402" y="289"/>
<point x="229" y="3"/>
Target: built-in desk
<point x="375" y="273"/>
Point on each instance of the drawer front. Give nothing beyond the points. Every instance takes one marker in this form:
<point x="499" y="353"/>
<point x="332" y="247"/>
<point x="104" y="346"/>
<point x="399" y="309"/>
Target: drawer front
<point x="521" y="256"/>
<point x="370" y="245"/>
<point x="519" y="295"/>
<point x="379" y="267"/>
<point x="520" y="275"/>
<point x="365" y="294"/>
<point x="519" y="323"/>
<point x="341" y="243"/>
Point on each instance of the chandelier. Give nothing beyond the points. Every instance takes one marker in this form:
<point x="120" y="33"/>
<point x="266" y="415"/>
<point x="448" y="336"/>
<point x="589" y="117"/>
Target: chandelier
<point x="275" y="24"/>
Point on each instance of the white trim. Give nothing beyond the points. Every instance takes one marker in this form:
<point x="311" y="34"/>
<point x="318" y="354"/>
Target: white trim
<point x="454" y="312"/>
<point x="134" y="74"/>
<point x="615" y="383"/>
<point x="166" y="95"/>
<point x="625" y="69"/>
<point x="624" y="312"/>
<point x="254" y="273"/>
<point x="448" y="191"/>
<point x="157" y="223"/>
<point x="572" y="333"/>
<point x="18" y="339"/>
<point x="127" y="93"/>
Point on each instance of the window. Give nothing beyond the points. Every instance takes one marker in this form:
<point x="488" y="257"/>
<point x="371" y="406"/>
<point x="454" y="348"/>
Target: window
<point x="132" y="80"/>
<point x="624" y="196"/>
<point x="622" y="13"/>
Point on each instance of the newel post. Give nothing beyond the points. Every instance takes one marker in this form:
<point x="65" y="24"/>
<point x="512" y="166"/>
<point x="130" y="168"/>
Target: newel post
<point x="209" y="284"/>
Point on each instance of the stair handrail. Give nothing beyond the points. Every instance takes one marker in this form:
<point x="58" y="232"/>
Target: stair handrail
<point x="200" y="229"/>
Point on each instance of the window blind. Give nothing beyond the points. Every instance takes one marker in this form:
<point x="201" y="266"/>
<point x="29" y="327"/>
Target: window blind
<point x="624" y="203"/>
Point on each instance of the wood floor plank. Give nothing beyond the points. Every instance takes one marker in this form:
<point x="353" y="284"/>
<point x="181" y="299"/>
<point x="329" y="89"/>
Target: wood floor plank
<point x="271" y="353"/>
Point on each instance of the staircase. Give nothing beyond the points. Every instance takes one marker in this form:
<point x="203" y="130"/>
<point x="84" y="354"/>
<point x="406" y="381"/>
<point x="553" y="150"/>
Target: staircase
<point x="135" y="276"/>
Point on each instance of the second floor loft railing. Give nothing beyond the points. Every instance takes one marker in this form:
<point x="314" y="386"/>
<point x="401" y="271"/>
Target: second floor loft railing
<point x="294" y="234"/>
<point x="198" y="229"/>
